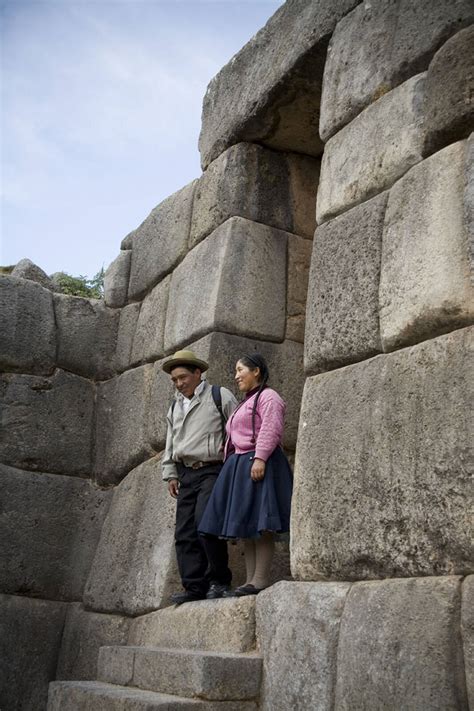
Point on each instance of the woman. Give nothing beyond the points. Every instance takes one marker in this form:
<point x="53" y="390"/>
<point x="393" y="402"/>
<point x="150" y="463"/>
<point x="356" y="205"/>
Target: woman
<point x="252" y="496"/>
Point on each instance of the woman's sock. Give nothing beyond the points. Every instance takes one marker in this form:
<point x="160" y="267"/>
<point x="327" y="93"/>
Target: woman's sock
<point x="264" y="549"/>
<point x="249" y="549"/>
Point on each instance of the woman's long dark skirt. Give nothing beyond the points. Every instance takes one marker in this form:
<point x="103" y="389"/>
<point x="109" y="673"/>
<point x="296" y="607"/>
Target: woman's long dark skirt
<point x="242" y="508"/>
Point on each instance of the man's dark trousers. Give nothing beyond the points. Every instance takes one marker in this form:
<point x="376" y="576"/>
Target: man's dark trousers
<point x="198" y="569"/>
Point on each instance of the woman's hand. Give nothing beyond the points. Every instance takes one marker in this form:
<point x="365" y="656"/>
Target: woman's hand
<point x="258" y="470"/>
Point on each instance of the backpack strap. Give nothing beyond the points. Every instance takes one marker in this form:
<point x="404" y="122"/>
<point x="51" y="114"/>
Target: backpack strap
<point x="217" y="397"/>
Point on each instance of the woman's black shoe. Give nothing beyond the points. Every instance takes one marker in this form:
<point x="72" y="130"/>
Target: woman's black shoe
<point x="186" y="596"/>
<point x="247" y="590"/>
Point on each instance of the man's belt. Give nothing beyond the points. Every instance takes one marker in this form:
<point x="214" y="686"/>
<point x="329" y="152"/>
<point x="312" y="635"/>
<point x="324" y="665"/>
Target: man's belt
<point x="201" y="465"/>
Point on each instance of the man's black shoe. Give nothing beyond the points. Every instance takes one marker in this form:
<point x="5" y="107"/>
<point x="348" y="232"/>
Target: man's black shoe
<point x="186" y="596"/>
<point x="217" y="590"/>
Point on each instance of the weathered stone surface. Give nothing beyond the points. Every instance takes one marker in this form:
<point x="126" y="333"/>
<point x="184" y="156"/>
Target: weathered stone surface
<point x="30" y="637"/>
<point x="449" y="91"/>
<point x="369" y="154"/>
<point x="467" y="632"/>
<point x="28" y="337"/>
<point x="161" y="394"/>
<point x="399" y="644"/>
<point x="249" y="181"/>
<point x="49" y="529"/>
<point x="134" y="569"/>
<point x="379" y="45"/>
<point x="122" y="432"/>
<point x="94" y="695"/>
<point x="299" y="259"/>
<point x="425" y="286"/>
<point x="285" y="362"/>
<point x="160" y="241"/>
<point x="87" y="335"/>
<point x="84" y="634"/>
<point x="190" y="673"/>
<point x="46" y="423"/>
<point x="469" y="197"/>
<point x="210" y="288"/>
<point x="226" y="625"/>
<point x="148" y="339"/>
<point x="270" y="91"/>
<point x="26" y="269"/>
<point x="382" y="466"/>
<point x="125" y="335"/>
<point x="116" y="280"/>
<point x="297" y="634"/>
<point x="343" y="298"/>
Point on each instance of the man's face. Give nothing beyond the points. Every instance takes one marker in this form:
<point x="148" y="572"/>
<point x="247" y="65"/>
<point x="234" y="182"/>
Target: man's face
<point x="184" y="381"/>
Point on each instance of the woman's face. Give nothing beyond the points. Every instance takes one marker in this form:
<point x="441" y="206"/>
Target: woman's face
<point x="246" y="378"/>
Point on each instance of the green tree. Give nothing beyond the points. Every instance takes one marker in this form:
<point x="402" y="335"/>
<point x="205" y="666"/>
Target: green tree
<point x="81" y="285"/>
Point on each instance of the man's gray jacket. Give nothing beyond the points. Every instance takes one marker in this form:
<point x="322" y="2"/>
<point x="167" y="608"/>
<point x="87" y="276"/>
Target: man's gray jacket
<point x="197" y="435"/>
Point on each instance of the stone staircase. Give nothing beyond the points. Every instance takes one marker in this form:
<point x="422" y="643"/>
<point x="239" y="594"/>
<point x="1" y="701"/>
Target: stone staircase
<point x="198" y="656"/>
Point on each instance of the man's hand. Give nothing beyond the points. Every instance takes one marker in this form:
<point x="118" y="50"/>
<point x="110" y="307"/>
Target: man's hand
<point x="173" y="488"/>
<point x="258" y="470"/>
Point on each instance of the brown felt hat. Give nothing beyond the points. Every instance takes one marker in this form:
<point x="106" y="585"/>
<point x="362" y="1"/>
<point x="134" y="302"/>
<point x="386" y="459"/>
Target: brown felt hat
<point x="184" y="358"/>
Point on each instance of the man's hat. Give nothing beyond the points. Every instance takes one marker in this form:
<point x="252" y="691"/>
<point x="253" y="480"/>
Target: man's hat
<point x="184" y="358"/>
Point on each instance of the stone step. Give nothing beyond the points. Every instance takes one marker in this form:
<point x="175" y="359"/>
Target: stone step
<point x="225" y="625"/>
<point x="191" y="673"/>
<point x="98" y="696"/>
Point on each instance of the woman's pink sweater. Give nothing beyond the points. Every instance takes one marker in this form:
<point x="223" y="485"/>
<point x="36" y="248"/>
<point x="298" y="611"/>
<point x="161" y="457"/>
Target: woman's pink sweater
<point x="269" y="422"/>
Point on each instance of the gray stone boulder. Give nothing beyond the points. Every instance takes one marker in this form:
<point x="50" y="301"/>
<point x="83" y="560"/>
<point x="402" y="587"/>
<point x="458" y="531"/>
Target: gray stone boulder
<point x="30" y="638"/>
<point x="343" y="297"/>
<point x="46" y="423"/>
<point x="297" y="635"/>
<point x="467" y="632"/>
<point x="249" y="181"/>
<point x="210" y="288"/>
<point x="449" y="107"/>
<point x="116" y="280"/>
<point x="87" y="335"/>
<point x="49" y="530"/>
<point x="425" y="285"/>
<point x="400" y="647"/>
<point x="26" y="269"/>
<point x="160" y="242"/>
<point x="134" y="569"/>
<point x="148" y="336"/>
<point x="161" y="394"/>
<point x="382" y="466"/>
<point x="125" y="335"/>
<point x="299" y="259"/>
<point x="121" y="429"/>
<point x="270" y="91"/>
<point x="378" y="46"/>
<point x="28" y="340"/>
<point x="84" y="634"/>
<point x="371" y="153"/>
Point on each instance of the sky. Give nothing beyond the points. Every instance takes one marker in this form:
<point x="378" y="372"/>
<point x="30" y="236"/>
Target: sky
<point x="100" y="116"/>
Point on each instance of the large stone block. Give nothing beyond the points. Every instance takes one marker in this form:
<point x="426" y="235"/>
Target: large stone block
<point x="125" y="335"/>
<point x="28" y="340"/>
<point x="161" y="394"/>
<point x="49" y="529"/>
<point x="270" y="91"/>
<point x="30" y="637"/>
<point x="297" y="634"/>
<point x="299" y="259"/>
<point x="87" y="335"/>
<point x="400" y="647"/>
<point x="26" y="269"/>
<point x="116" y="280"/>
<point x="378" y="46"/>
<point x="382" y="466"/>
<point x="285" y="362"/>
<point x="46" y="423"/>
<point x="160" y="241"/>
<point x="234" y="281"/>
<point x="122" y="430"/>
<point x="134" y="569"/>
<point x="425" y="286"/>
<point x="342" y="313"/>
<point x="467" y="632"/>
<point x="249" y="181"/>
<point x="84" y="634"/>
<point x="369" y="154"/>
<point x="148" y="339"/>
<point x="225" y="625"/>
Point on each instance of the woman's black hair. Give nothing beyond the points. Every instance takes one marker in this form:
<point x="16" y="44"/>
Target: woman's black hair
<point x="252" y="361"/>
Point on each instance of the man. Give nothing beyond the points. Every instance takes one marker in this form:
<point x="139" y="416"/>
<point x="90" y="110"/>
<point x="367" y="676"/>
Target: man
<point x="192" y="460"/>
